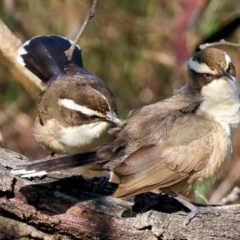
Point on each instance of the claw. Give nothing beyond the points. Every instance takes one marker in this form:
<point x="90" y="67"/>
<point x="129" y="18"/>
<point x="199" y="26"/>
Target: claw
<point x="194" y="209"/>
<point x="201" y="210"/>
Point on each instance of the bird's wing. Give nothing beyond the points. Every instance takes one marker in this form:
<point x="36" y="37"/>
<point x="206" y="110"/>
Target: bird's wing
<point x="186" y="147"/>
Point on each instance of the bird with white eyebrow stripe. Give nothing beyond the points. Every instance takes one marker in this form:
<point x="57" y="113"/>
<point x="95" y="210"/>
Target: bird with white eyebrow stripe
<point x="170" y="146"/>
<point x="72" y="109"/>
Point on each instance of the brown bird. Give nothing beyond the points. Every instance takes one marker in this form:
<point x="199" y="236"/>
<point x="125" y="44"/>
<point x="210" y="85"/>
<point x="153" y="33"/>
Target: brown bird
<point x="172" y="145"/>
<point x="72" y="109"/>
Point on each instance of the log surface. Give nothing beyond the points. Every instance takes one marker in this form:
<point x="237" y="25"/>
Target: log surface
<point x="67" y="206"/>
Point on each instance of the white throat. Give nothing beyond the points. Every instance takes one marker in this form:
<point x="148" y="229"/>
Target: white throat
<point x="222" y="103"/>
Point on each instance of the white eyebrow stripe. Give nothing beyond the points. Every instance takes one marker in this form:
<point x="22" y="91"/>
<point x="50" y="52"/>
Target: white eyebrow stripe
<point x="97" y="92"/>
<point x="227" y="59"/>
<point x="70" y="104"/>
<point x="106" y="101"/>
<point x="200" y="67"/>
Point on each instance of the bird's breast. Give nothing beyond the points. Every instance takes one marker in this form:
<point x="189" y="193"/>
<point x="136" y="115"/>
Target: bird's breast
<point x="221" y="154"/>
<point x="83" y="137"/>
<point x="61" y="139"/>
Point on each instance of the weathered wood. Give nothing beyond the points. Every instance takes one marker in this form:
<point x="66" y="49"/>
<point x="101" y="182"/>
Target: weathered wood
<point x="65" y="206"/>
<point x="12" y="229"/>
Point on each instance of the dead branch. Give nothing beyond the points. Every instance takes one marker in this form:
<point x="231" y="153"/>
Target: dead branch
<point x="9" y="45"/>
<point x="232" y="196"/>
<point x="90" y="15"/>
<point x="220" y="43"/>
<point x="65" y="205"/>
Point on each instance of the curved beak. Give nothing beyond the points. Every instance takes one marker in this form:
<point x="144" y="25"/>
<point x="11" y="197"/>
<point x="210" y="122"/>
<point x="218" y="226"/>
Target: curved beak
<point x="228" y="75"/>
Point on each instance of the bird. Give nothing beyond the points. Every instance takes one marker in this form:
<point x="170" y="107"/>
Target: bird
<point x="172" y="145"/>
<point x="72" y="109"/>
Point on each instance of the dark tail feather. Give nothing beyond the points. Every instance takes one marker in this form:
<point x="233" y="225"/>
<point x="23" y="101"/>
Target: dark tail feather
<point x="60" y="163"/>
<point x="45" y="55"/>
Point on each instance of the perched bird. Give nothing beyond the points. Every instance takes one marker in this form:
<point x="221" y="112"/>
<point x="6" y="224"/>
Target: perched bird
<point x="170" y="146"/>
<point x="72" y="109"/>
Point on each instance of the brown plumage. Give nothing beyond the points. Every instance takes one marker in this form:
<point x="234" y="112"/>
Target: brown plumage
<point x="72" y="109"/>
<point x="176" y="143"/>
<point x="84" y="89"/>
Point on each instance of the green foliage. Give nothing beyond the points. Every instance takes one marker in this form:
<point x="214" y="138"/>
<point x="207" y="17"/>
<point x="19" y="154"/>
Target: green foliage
<point x="11" y="92"/>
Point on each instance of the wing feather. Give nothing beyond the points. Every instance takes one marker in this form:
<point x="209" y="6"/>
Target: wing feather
<point x="181" y="151"/>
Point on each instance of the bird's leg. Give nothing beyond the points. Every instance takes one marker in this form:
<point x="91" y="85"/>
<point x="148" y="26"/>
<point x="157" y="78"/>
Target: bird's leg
<point x="102" y="181"/>
<point x="52" y="154"/>
<point x="112" y="117"/>
<point x="150" y="200"/>
<point x="145" y="201"/>
<point x="193" y="208"/>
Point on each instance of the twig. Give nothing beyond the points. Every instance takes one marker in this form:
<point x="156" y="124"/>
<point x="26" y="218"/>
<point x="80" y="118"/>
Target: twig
<point x="198" y="194"/>
<point x="220" y="43"/>
<point x="90" y="15"/>
<point x="231" y="197"/>
<point x="226" y="185"/>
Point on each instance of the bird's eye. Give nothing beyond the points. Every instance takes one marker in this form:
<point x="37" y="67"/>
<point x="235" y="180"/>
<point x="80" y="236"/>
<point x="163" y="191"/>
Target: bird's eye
<point x="208" y="76"/>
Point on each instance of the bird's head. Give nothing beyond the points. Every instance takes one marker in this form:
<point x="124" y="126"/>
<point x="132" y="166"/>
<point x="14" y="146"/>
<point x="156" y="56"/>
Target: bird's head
<point x="211" y="71"/>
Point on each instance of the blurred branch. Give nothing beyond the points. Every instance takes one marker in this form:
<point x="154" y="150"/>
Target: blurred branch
<point x="9" y="45"/>
<point x="231" y="197"/>
<point x="199" y="195"/>
<point x="220" y="43"/>
<point x="10" y="227"/>
<point x="163" y="58"/>
<point x="90" y="15"/>
<point x="226" y="185"/>
<point x="9" y="113"/>
<point x="223" y="31"/>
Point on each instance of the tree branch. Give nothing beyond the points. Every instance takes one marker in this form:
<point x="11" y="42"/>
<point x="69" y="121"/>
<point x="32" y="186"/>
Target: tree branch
<point x="90" y="15"/>
<point x="66" y="204"/>
<point x="220" y="43"/>
<point x="9" y="45"/>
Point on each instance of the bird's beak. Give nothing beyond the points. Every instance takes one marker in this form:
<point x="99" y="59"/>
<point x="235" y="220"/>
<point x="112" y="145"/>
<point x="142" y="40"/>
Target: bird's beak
<point x="228" y="75"/>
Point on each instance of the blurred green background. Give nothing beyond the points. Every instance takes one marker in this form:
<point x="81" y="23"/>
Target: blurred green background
<point x="139" y="48"/>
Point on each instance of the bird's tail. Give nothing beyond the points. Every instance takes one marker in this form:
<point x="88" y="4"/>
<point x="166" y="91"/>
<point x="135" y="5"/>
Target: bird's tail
<point x="45" y="56"/>
<point x="43" y="166"/>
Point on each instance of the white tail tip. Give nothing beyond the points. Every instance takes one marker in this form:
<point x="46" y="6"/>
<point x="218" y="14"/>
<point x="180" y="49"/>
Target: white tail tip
<point x="28" y="174"/>
<point x="21" y="171"/>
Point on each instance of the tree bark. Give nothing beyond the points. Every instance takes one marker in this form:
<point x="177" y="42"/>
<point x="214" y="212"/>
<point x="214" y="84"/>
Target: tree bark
<point x="65" y="206"/>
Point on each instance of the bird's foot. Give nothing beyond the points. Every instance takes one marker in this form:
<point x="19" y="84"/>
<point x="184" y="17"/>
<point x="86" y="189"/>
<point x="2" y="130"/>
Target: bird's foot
<point x="52" y="154"/>
<point x="145" y="201"/>
<point x="193" y="208"/>
<point x="202" y="210"/>
<point x="151" y="199"/>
